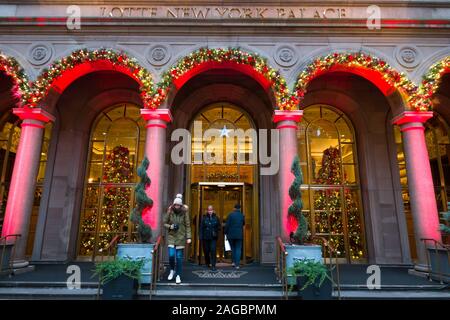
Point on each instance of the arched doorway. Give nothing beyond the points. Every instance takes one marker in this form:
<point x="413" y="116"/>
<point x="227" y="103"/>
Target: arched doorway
<point x="116" y="148"/>
<point x="223" y="172"/>
<point x="331" y="189"/>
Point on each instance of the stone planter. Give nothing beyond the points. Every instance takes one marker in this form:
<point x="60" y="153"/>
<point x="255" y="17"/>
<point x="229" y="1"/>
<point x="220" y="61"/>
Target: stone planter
<point x="314" y="291"/>
<point x="121" y="288"/>
<point x="138" y="251"/>
<point x="440" y="268"/>
<point x="300" y="252"/>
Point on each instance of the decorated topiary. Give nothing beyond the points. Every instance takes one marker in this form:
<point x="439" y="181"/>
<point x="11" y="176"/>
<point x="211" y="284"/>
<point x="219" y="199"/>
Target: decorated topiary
<point x="143" y="203"/>
<point x="295" y="209"/>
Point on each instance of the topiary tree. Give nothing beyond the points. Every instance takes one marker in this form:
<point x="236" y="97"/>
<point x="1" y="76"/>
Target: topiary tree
<point x="143" y="202"/>
<point x="446" y="215"/>
<point x="295" y="209"/>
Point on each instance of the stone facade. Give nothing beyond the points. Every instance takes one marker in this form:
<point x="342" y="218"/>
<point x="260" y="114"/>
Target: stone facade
<point x="290" y="36"/>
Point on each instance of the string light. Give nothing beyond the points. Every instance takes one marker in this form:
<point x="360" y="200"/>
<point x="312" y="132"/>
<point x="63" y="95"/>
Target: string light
<point x="415" y="101"/>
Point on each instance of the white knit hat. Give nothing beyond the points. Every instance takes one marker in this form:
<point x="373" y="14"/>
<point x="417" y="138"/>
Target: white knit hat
<point x="178" y="199"/>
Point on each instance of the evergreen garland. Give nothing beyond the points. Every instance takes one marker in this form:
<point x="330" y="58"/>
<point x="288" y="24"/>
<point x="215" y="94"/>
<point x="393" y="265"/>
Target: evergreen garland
<point x="142" y="202"/>
<point x="295" y="209"/>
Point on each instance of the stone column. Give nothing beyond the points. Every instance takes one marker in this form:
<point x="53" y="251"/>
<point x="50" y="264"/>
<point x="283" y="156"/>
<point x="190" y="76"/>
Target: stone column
<point x="286" y="122"/>
<point x="420" y="181"/>
<point x="155" y="150"/>
<point x="23" y="182"/>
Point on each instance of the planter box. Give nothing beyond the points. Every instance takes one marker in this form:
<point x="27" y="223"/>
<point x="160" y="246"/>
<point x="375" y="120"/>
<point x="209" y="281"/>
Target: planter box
<point x="439" y="264"/>
<point x="314" y="292"/>
<point x="138" y="251"/>
<point x="6" y="255"/>
<point x="121" y="288"/>
<point x="301" y="252"/>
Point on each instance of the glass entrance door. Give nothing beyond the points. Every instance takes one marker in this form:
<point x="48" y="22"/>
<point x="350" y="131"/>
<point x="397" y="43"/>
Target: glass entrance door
<point x="223" y="197"/>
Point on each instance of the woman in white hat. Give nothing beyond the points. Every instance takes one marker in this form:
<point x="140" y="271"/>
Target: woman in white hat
<point x="178" y="224"/>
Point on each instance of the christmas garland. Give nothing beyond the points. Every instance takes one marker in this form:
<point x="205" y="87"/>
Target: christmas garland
<point x="284" y="99"/>
<point x="361" y="60"/>
<point x="48" y="76"/>
<point x="13" y="69"/>
<point x="432" y="79"/>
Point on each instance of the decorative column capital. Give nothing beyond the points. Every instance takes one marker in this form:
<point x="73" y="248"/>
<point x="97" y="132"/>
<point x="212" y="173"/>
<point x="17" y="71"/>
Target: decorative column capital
<point x="412" y="117"/>
<point x="284" y="115"/>
<point x="38" y="114"/>
<point x="157" y="114"/>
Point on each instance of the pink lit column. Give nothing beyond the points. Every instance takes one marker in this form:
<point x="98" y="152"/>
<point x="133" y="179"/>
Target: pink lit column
<point x="155" y="150"/>
<point x="286" y="122"/>
<point x="23" y="181"/>
<point x="420" y="181"/>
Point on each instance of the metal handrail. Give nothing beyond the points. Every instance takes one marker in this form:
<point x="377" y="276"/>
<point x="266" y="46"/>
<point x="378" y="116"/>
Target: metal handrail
<point x="102" y="256"/>
<point x="11" y="258"/>
<point x="331" y="250"/>
<point x="437" y="245"/>
<point x="280" y="269"/>
<point x="156" y="258"/>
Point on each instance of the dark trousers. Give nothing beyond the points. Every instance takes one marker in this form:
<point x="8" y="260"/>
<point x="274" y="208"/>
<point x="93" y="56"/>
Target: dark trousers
<point x="209" y="248"/>
<point x="236" y="250"/>
<point x="178" y="255"/>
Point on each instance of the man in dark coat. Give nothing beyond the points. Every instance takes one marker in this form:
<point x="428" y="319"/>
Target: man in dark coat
<point x="209" y="230"/>
<point x="234" y="231"/>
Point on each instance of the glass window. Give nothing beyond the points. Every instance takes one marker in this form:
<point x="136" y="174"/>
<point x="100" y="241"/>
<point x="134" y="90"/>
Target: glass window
<point x="215" y="156"/>
<point x="327" y="151"/>
<point x="116" y="149"/>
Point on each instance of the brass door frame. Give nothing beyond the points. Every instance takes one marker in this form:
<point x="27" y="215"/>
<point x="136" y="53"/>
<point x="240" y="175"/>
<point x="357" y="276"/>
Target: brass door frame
<point x="219" y="185"/>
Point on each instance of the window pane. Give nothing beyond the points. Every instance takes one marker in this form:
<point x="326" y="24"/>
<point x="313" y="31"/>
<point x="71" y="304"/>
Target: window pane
<point x="347" y="153"/>
<point x="345" y="132"/>
<point x="349" y="174"/>
<point x="95" y="172"/>
<point x="327" y="199"/>
<point x="305" y="199"/>
<point x="353" y="215"/>
<point x="332" y="161"/>
<point x="97" y="151"/>
<point x="102" y="128"/>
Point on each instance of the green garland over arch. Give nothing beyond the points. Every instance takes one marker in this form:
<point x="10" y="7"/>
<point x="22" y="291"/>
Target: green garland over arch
<point x="50" y="75"/>
<point x="284" y="99"/>
<point x="432" y="79"/>
<point x="12" y="68"/>
<point x="361" y="60"/>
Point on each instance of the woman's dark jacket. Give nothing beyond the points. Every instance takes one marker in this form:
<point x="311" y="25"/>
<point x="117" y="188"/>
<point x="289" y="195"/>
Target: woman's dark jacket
<point x="209" y="227"/>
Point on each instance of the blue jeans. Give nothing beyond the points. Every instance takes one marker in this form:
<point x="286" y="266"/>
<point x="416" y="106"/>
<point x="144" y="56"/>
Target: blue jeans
<point x="179" y="256"/>
<point x="236" y="249"/>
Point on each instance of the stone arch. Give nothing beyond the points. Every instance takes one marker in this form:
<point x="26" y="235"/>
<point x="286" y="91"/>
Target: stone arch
<point x="394" y="85"/>
<point x="431" y="80"/>
<point x="11" y="67"/>
<point x="58" y="76"/>
<point x="204" y="59"/>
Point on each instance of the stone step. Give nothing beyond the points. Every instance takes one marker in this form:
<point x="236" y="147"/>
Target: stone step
<point x="392" y="294"/>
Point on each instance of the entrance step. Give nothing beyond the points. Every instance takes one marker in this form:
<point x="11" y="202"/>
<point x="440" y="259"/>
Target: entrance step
<point x="214" y="291"/>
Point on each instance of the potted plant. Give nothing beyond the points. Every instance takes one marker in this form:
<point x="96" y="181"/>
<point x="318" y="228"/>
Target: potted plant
<point x="312" y="279"/>
<point x="304" y="262"/>
<point x="120" y="278"/>
<point x="297" y="249"/>
<point x="144" y="247"/>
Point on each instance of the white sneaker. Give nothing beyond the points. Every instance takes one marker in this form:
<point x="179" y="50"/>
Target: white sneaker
<point x="171" y="274"/>
<point x="178" y="280"/>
